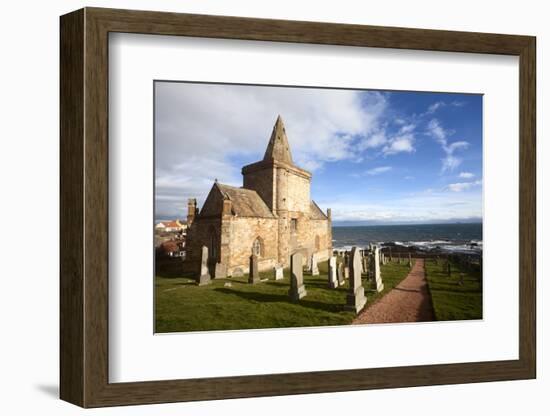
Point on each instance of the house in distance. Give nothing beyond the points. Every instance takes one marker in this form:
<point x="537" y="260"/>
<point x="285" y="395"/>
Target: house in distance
<point x="272" y="216"/>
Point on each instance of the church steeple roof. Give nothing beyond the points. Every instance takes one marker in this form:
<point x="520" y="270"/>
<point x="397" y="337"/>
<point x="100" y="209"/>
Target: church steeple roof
<point x="278" y="148"/>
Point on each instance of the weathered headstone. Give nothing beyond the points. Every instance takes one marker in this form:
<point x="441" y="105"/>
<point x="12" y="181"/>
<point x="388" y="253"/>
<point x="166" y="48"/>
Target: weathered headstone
<point x="297" y="289"/>
<point x="355" y="300"/>
<point x="410" y="261"/>
<point x="390" y="255"/>
<point x="399" y="259"/>
<point x="346" y="272"/>
<point x="220" y="271"/>
<point x="377" y="274"/>
<point x="253" y="275"/>
<point x="238" y="272"/>
<point x="204" y="278"/>
<point x="364" y="264"/>
<point x="340" y="274"/>
<point x="332" y="279"/>
<point x="278" y="272"/>
<point x="314" y="266"/>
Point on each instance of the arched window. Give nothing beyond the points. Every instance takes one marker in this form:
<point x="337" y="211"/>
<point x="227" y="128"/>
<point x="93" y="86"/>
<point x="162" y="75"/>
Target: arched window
<point x="212" y="244"/>
<point x="257" y="247"/>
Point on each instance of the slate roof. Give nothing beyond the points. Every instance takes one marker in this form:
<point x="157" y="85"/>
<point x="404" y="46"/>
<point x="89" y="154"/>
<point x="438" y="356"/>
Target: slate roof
<point x="245" y="202"/>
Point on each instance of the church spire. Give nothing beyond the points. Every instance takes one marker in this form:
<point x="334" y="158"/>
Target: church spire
<point x="278" y="148"/>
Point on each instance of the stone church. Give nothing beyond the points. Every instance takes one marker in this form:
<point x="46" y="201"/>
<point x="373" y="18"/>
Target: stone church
<point x="272" y="216"/>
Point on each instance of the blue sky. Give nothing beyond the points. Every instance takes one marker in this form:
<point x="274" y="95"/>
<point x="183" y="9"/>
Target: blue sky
<point x="376" y="156"/>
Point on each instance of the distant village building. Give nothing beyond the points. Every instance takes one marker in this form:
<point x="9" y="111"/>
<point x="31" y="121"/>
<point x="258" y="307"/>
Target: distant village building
<point x="272" y="215"/>
<point x="171" y="226"/>
<point x="172" y="248"/>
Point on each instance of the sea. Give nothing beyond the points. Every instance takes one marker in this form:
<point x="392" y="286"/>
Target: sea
<point x="450" y="238"/>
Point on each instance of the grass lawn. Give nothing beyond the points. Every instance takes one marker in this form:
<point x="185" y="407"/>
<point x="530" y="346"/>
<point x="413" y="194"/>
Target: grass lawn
<point x="452" y="301"/>
<point x="181" y="305"/>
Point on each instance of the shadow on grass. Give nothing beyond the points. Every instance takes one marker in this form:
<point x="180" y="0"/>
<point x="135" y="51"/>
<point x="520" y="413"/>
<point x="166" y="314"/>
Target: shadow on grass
<point x="271" y="297"/>
<point x="255" y="296"/>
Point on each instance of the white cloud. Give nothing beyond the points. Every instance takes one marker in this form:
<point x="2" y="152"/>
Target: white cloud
<point x="462" y="186"/>
<point x="440" y="104"/>
<point x="402" y="143"/>
<point x="207" y="125"/>
<point x="427" y="206"/>
<point x="450" y="162"/>
<point x="457" y="146"/>
<point x="407" y="128"/>
<point x="375" y="140"/>
<point x="434" y="107"/>
<point x="466" y="175"/>
<point x="378" y="170"/>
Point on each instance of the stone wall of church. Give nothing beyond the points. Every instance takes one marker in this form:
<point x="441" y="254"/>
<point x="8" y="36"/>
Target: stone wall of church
<point x="203" y="232"/>
<point x="242" y="234"/>
<point x="293" y="191"/>
<point x="314" y="236"/>
<point x="262" y="182"/>
<point x="322" y="238"/>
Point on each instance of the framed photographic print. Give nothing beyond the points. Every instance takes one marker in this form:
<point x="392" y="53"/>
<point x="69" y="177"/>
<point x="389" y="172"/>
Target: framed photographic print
<point x="256" y="207"/>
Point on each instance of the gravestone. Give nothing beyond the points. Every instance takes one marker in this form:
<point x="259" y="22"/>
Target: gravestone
<point x="238" y="272"/>
<point x="314" y="266"/>
<point x="410" y="261"/>
<point x="390" y="255"/>
<point x="297" y="289"/>
<point x="253" y="275"/>
<point x="332" y="280"/>
<point x="355" y="300"/>
<point x="377" y="274"/>
<point x="340" y="274"/>
<point x="278" y="272"/>
<point x="346" y="272"/>
<point x="220" y="271"/>
<point x="364" y="264"/>
<point x="204" y="278"/>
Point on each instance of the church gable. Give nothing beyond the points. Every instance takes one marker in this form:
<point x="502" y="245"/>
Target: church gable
<point x="245" y="202"/>
<point x="213" y="205"/>
<point x="315" y="212"/>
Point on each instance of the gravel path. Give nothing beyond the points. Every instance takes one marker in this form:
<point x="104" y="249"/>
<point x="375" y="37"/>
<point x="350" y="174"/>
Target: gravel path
<point x="410" y="301"/>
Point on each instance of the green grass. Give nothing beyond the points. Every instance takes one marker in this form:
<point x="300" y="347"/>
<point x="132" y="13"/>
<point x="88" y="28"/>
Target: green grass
<point x="452" y="301"/>
<point x="181" y="305"/>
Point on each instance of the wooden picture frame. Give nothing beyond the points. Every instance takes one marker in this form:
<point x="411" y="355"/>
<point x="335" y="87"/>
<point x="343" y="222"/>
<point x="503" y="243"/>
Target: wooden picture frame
<point x="84" y="207"/>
